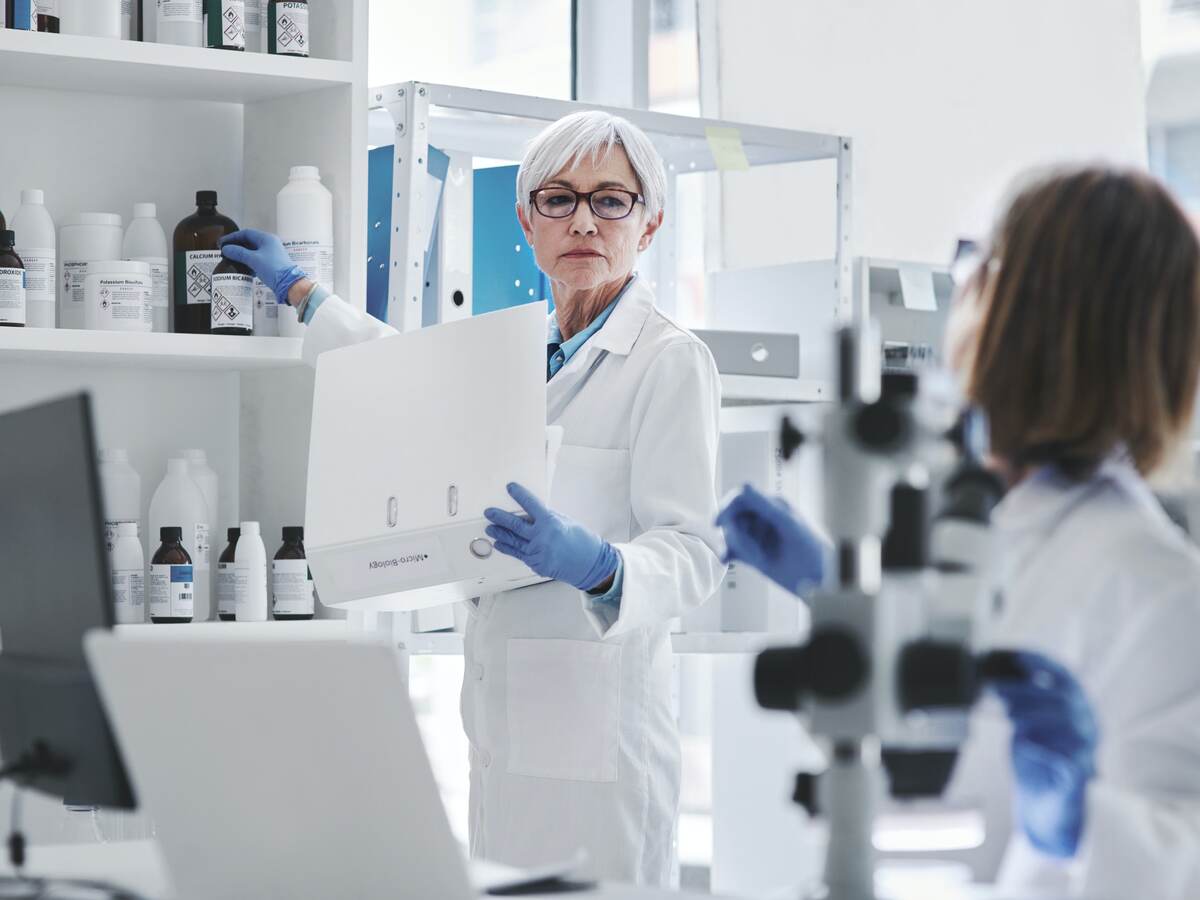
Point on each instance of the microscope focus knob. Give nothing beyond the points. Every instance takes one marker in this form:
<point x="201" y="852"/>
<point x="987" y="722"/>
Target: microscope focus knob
<point x="830" y="667"/>
<point x="780" y="678"/>
<point x="937" y="675"/>
<point x="805" y="793"/>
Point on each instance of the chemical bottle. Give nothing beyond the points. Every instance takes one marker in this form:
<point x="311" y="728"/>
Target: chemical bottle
<point x="33" y="15"/>
<point x="287" y="27"/>
<point x="227" y="578"/>
<point x="129" y="20"/>
<point x="83" y="239"/>
<point x="121" y="491"/>
<point x="95" y="18"/>
<point x="206" y="479"/>
<point x="145" y="241"/>
<point x="128" y="567"/>
<point x="232" y="298"/>
<point x="304" y="221"/>
<point x="256" y="18"/>
<point x="12" y="283"/>
<point x="181" y="22"/>
<point x="250" y="566"/>
<point x="171" y="587"/>
<point x="225" y="24"/>
<point x="291" y="581"/>
<point x="266" y="311"/>
<point x="36" y="246"/>
<point x="196" y="254"/>
<point x="179" y="501"/>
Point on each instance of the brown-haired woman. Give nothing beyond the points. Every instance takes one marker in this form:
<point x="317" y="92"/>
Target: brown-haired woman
<point x="1079" y="336"/>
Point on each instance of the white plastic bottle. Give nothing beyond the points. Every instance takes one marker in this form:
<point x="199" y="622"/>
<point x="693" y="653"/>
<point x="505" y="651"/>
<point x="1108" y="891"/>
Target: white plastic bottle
<point x="36" y="242"/>
<point x="145" y="241"/>
<point x="266" y="311"/>
<point x="121" y="488"/>
<point x="129" y="20"/>
<point x="181" y="22"/>
<point x="128" y="566"/>
<point x="250" y="568"/>
<point x="210" y="486"/>
<point x="256" y="26"/>
<point x="304" y="222"/>
<point x="82" y="239"/>
<point x="178" y="501"/>
<point x="97" y="18"/>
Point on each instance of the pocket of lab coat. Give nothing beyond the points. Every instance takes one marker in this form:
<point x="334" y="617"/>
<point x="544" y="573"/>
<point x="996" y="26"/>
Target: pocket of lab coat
<point x="591" y="485"/>
<point x="564" y="709"/>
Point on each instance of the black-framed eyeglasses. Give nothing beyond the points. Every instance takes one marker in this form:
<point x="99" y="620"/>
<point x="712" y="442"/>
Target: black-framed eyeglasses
<point x="606" y="203"/>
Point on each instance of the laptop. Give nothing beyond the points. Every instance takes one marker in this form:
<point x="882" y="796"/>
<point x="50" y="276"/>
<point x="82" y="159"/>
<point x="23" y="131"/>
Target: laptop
<point x="413" y="436"/>
<point x="286" y="770"/>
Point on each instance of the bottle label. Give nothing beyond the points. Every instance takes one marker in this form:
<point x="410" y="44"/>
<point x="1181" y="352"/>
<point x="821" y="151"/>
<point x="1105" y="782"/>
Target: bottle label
<point x="254" y="16"/>
<point x="289" y="29"/>
<point x="110" y="531"/>
<point x="233" y="301"/>
<point x="45" y="7"/>
<point x="123" y="301"/>
<point x="200" y="556"/>
<point x="226" y="589"/>
<point x="226" y="24"/>
<point x="198" y="268"/>
<point x="291" y="588"/>
<point x="171" y="593"/>
<point x="180" y="11"/>
<point x="129" y="596"/>
<point x="314" y="258"/>
<point x="74" y="275"/>
<point x="159" y="293"/>
<point x="39" y="273"/>
<point x="266" y="311"/>
<point x="12" y="296"/>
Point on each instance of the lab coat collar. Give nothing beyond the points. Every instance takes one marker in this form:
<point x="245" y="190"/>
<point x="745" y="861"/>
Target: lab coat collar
<point x="624" y="325"/>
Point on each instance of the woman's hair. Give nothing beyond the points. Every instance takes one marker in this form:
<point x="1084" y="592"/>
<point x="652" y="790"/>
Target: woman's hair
<point x="1090" y="339"/>
<point x="593" y="134"/>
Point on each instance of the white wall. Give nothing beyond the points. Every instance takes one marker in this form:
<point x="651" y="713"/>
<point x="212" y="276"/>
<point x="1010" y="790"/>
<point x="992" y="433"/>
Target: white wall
<point x="946" y="101"/>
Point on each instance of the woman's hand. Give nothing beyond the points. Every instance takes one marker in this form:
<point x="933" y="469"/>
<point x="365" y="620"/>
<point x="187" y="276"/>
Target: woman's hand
<point x="764" y="533"/>
<point x="265" y="254"/>
<point x="551" y="544"/>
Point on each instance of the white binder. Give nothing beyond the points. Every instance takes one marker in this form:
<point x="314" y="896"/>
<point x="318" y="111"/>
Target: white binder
<point x="413" y="436"/>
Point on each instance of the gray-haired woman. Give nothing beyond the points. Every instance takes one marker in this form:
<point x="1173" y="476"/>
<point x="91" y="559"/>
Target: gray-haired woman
<point x="567" y="689"/>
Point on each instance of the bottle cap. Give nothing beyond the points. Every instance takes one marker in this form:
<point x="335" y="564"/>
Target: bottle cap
<point x="196" y="456"/>
<point x="293" y="532"/>
<point x="145" y="211"/>
<point x="33" y="195"/>
<point x="206" y="198"/>
<point x="7" y="238"/>
<point x="127" y="529"/>
<point x="305" y="172"/>
<point x="170" y="534"/>
<point x="177" y="466"/>
<point x="233" y="534"/>
<point x="250" y="529"/>
<point x="112" y="454"/>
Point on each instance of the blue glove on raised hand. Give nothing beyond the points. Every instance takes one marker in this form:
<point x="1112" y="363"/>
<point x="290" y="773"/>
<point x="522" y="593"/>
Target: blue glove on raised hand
<point x="551" y="544"/>
<point x="1053" y="746"/>
<point x="764" y="533"/>
<point x="265" y="254"/>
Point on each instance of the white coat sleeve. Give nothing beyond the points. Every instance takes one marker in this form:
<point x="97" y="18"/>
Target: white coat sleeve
<point x="338" y="324"/>
<point x="673" y="564"/>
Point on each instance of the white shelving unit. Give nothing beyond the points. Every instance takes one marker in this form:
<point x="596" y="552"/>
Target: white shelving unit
<point x="100" y="124"/>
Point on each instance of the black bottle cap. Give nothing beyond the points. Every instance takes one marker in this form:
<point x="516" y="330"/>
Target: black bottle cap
<point x="170" y="534"/>
<point x="233" y="534"/>
<point x="8" y="238"/>
<point x="293" y="533"/>
<point x="206" y="198"/>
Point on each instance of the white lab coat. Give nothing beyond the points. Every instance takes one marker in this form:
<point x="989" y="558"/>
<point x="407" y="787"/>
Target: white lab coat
<point x="1096" y="576"/>
<point x="567" y="706"/>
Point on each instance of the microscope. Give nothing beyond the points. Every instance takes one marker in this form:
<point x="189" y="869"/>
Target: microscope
<point x="888" y="673"/>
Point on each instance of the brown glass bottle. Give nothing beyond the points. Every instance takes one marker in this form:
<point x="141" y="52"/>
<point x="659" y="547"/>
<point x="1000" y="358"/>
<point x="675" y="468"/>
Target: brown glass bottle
<point x="233" y="298"/>
<point x="12" y="283"/>
<point x="46" y="21"/>
<point x="295" y="599"/>
<point x="226" y="579"/>
<point x="196" y="254"/>
<point x="171" y="555"/>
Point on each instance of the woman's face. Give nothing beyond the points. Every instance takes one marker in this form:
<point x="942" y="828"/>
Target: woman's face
<point x="583" y="251"/>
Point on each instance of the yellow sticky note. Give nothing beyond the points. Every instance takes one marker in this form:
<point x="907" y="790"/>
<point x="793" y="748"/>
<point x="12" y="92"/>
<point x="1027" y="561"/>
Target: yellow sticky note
<point x="727" y="150"/>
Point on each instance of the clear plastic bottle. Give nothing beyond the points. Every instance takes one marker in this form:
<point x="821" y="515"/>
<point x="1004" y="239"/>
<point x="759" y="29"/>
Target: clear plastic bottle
<point x="121" y="490"/>
<point x="181" y="22"/>
<point x="291" y="581"/>
<point x="128" y="566"/>
<point x="36" y="245"/>
<point x="250" y="566"/>
<point x="145" y="241"/>
<point x="12" y="284"/>
<point x="227" y="578"/>
<point x="171" y="585"/>
<point x="209" y="482"/>
<point x="178" y="501"/>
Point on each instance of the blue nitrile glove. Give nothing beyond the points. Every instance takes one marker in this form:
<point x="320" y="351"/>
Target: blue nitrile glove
<point x="265" y="254"/>
<point x="1053" y="746"/>
<point x="551" y="544"/>
<point x="764" y="533"/>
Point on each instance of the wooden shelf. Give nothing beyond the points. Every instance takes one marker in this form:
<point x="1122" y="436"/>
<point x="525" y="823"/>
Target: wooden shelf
<point x="103" y="65"/>
<point x="63" y="347"/>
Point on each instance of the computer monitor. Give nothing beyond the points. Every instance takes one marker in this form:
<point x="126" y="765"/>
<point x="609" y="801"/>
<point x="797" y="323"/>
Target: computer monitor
<point x="54" y="587"/>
